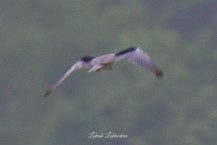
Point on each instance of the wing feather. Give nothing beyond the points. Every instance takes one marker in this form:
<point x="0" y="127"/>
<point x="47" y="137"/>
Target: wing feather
<point x="60" y="81"/>
<point x="142" y="59"/>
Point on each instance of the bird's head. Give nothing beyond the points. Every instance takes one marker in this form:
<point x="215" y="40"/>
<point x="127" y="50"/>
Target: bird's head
<point x="87" y="58"/>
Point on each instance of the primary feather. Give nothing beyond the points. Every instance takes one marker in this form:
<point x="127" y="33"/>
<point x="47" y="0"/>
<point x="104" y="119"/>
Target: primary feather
<point x="73" y="68"/>
<point x="140" y="58"/>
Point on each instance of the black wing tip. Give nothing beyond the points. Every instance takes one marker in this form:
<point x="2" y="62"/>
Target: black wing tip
<point x="129" y="49"/>
<point x="159" y="73"/>
<point x="48" y="92"/>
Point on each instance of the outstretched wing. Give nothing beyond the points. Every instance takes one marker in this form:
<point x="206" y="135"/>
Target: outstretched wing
<point x="76" y="66"/>
<point x="141" y="58"/>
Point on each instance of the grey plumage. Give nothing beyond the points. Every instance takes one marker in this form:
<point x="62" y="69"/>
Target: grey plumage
<point x="105" y="62"/>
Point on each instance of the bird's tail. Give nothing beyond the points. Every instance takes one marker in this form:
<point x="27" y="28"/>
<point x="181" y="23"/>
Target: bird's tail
<point x="95" y="68"/>
<point x="107" y="66"/>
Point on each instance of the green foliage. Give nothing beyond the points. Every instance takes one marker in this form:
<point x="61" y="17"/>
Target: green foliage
<point x="41" y="39"/>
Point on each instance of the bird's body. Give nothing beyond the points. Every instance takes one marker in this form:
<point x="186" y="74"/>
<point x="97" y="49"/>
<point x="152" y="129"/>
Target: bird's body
<point x="105" y="62"/>
<point x="102" y="62"/>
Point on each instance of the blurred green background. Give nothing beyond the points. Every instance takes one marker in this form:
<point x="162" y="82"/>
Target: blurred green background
<point x="41" y="39"/>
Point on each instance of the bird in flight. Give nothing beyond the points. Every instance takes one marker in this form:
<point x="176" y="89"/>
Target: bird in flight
<point x="104" y="62"/>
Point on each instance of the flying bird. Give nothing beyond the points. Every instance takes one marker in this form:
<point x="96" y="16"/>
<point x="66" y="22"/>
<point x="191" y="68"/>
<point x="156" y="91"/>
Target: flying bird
<point x="104" y="62"/>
